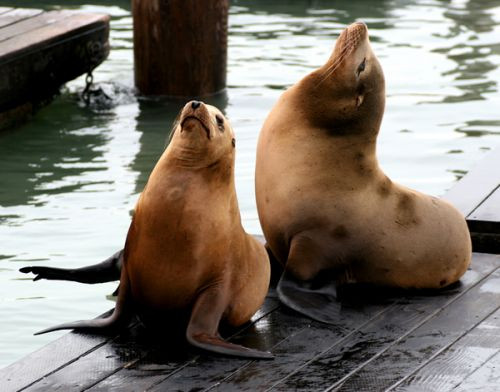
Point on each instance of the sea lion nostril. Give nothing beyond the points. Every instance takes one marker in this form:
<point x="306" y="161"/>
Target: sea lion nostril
<point x="195" y="104"/>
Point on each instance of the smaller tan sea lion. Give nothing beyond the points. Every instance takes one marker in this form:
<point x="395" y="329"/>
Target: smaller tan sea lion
<point x="186" y="248"/>
<point x="328" y="212"/>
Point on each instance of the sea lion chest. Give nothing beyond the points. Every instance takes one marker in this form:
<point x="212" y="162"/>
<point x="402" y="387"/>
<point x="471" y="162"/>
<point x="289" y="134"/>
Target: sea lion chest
<point x="177" y="243"/>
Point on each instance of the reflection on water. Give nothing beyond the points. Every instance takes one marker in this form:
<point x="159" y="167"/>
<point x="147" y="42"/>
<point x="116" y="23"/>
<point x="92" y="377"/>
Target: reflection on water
<point x="69" y="178"/>
<point x="40" y="160"/>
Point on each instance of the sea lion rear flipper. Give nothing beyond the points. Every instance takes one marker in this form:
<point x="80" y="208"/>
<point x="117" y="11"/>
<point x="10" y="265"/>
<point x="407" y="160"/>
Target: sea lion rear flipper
<point x="202" y="330"/>
<point x="119" y="318"/>
<point x="106" y="271"/>
<point x="314" y="300"/>
<point x="306" y="285"/>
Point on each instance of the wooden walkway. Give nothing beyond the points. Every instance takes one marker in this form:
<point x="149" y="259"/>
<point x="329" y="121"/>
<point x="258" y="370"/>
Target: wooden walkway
<point x="423" y="341"/>
<point x="477" y="196"/>
<point x="40" y="51"/>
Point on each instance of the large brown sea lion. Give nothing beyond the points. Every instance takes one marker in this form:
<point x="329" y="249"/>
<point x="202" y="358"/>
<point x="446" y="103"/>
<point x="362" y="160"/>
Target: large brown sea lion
<point x="328" y="212"/>
<point x="186" y="247"/>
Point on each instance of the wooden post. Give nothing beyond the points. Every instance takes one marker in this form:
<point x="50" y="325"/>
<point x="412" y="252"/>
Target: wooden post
<point x="180" y="46"/>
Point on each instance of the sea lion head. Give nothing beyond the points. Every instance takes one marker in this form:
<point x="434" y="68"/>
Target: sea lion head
<point x="201" y="136"/>
<point x="347" y="94"/>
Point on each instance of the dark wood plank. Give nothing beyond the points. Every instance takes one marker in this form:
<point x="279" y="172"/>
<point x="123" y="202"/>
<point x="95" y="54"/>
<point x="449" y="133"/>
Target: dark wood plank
<point x="468" y="354"/>
<point x="376" y="358"/>
<point x="34" y="65"/>
<point x="485" y="379"/>
<point x="476" y="185"/>
<point x="96" y="365"/>
<point x="429" y="339"/>
<point x="73" y="25"/>
<point x="49" y="359"/>
<point x="123" y="352"/>
<point x="27" y="25"/>
<point x="15" y="15"/>
<point x="292" y="338"/>
<point x="373" y="347"/>
<point x="488" y="212"/>
<point x="162" y="363"/>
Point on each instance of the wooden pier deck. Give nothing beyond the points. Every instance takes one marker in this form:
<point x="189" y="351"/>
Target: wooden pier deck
<point x="446" y="340"/>
<point x="40" y="51"/>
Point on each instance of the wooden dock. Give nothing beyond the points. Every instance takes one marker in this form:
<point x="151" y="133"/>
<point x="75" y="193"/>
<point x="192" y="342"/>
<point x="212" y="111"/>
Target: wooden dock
<point x="40" y="51"/>
<point x="422" y="341"/>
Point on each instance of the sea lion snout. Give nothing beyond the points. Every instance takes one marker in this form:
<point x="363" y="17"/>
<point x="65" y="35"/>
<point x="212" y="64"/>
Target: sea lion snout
<point x="194" y="115"/>
<point x="350" y="38"/>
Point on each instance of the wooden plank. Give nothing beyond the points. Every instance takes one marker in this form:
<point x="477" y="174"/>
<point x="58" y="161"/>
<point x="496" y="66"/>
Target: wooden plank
<point x="487" y="213"/>
<point x="291" y="337"/>
<point x="96" y="365"/>
<point x="15" y="15"/>
<point x="295" y="341"/>
<point x="27" y="25"/>
<point x="477" y="184"/>
<point x="3" y="10"/>
<point x="48" y="359"/>
<point x="34" y="65"/>
<point x="89" y="370"/>
<point x="376" y="358"/>
<point x="372" y="347"/>
<point x="72" y="25"/>
<point x="424" y="342"/>
<point x="162" y="363"/>
<point x="485" y="379"/>
<point x="451" y="368"/>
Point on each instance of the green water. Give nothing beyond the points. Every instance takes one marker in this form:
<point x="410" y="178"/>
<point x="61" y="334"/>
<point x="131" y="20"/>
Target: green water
<point x="69" y="177"/>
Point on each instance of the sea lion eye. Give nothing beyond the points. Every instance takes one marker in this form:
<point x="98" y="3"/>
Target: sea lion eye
<point x="361" y="66"/>
<point x="220" y="121"/>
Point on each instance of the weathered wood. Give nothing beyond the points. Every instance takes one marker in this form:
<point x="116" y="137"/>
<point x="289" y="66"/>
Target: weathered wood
<point x="3" y="10"/>
<point x="477" y="196"/>
<point x="468" y="354"/>
<point x="423" y="343"/>
<point x="484" y="379"/>
<point x="30" y="24"/>
<point x="383" y="341"/>
<point x="468" y="193"/>
<point x="489" y="211"/>
<point x="40" y="53"/>
<point x="17" y="14"/>
<point x="180" y="47"/>
<point x="162" y="363"/>
<point x="368" y="361"/>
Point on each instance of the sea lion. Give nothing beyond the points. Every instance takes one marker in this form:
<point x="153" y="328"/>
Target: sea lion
<point x="328" y="212"/>
<point x="186" y="247"/>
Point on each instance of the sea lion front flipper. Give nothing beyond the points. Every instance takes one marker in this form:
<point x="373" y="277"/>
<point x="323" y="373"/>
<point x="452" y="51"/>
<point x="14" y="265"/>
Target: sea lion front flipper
<point x="310" y="298"/>
<point x="202" y="330"/>
<point x="106" y="271"/>
<point x="119" y="318"/>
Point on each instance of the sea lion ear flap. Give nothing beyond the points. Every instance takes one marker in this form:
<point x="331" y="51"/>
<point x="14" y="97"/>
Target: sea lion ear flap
<point x="359" y="100"/>
<point x="202" y="328"/>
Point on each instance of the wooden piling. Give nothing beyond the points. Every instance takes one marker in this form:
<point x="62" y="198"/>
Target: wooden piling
<point x="180" y="46"/>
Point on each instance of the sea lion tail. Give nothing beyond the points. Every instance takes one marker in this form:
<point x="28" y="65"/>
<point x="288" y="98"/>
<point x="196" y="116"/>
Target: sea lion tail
<point x="106" y="271"/>
<point x="119" y="318"/>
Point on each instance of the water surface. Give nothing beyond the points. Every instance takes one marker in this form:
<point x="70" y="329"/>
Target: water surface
<point x="70" y="177"/>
